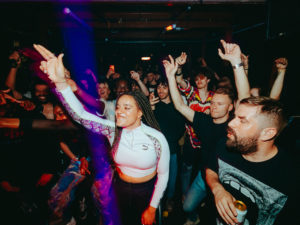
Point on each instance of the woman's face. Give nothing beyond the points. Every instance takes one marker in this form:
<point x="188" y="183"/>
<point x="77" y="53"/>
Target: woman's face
<point x="103" y="90"/>
<point x="128" y="114"/>
<point x="59" y="113"/>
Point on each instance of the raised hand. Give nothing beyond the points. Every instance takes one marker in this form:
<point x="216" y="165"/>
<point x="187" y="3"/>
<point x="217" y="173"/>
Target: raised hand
<point x="170" y="67"/>
<point x="281" y="64"/>
<point x="135" y="75"/>
<point x="181" y="60"/>
<point x="4" y="96"/>
<point x="232" y="52"/>
<point x="15" y="56"/>
<point x="53" y="66"/>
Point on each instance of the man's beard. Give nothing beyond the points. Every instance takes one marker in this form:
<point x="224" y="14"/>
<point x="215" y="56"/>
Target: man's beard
<point x="245" y="146"/>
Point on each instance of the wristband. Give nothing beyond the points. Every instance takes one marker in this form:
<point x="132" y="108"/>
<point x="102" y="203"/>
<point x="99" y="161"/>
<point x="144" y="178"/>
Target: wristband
<point x="238" y="65"/>
<point x="178" y="74"/>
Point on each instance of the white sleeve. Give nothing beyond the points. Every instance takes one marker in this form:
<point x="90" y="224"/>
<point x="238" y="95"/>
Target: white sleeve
<point x="86" y="119"/>
<point x="162" y="171"/>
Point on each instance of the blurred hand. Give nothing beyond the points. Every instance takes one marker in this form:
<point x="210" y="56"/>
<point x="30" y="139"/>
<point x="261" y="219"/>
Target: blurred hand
<point x="135" y="75"/>
<point x="4" y="96"/>
<point x="52" y="66"/>
<point x="181" y="60"/>
<point x="153" y="100"/>
<point x="170" y="67"/>
<point x="109" y="73"/>
<point x="281" y="64"/>
<point x="16" y="56"/>
<point x="232" y="52"/>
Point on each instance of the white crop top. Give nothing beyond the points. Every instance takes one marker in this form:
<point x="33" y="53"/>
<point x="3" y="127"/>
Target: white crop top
<point x="140" y="152"/>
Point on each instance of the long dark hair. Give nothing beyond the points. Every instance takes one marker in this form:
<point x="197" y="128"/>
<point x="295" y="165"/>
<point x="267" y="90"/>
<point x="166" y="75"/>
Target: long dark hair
<point x="148" y="116"/>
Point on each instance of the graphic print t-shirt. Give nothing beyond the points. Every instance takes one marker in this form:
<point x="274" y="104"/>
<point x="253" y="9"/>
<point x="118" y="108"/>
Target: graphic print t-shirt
<point x="269" y="189"/>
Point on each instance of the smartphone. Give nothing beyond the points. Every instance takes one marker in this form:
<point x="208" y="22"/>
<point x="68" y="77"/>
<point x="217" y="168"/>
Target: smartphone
<point x="112" y="67"/>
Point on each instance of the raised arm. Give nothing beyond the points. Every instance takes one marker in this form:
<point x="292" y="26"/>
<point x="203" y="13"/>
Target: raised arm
<point x="281" y="65"/>
<point x="85" y="97"/>
<point x="54" y="68"/>
<point x="171" y="68"/>
<point x="181" y="60"/>
<point x="136" y="76"/>
<point x="232" y="53"/>
<point x="223" y="199"/>
<point x="12" y="74"/>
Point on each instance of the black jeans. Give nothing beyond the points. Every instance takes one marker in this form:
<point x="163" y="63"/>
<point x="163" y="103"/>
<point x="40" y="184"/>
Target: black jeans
<point x="133" y="199"/>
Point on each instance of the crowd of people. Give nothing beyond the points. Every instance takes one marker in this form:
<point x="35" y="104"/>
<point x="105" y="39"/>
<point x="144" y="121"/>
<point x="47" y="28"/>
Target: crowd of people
<point x="112" y="149"/>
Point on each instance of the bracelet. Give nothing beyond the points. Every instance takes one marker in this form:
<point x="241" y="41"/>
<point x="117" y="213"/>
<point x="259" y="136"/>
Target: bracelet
<point x="238" y="65"/>
<point x="61" y="82"/>
<point x="178" y="74"/>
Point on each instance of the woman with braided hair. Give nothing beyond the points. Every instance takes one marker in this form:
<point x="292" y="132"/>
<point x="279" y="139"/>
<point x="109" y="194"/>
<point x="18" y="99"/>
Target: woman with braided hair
<point x="140" y="152"/>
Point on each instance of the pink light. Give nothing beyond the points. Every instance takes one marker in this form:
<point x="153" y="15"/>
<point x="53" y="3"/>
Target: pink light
<point x="66" y="10"/>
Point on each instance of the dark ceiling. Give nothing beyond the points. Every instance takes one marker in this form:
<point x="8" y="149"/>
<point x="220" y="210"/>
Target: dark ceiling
<point x="132" y="21"/>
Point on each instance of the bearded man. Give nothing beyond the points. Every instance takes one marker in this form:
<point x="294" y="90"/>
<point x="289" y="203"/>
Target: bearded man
<point x="249" y="167"/>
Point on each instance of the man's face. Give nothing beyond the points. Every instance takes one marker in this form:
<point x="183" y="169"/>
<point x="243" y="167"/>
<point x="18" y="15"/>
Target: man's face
<point x="103" y="90"/>
<point x="41" y="93"/>
<point x="150" y="77"/>
<point x="201" y="81"/>
<point x="134" y="86"/>
<point x="220" y="106"/>
<point x="122" y="87"/>
<point x="163" y="91"/>
<point x="244" y="130"/>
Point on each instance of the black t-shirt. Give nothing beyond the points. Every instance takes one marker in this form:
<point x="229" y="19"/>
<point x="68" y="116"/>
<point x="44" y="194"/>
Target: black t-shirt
<point x="151" y="87"/>
<point x="269" y="189"/>
<point x="209" y="133"/>
<point x="171" y="123"/>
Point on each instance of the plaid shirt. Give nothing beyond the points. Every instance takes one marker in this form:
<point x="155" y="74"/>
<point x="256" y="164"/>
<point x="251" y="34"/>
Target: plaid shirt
<point x="197" y="104"/>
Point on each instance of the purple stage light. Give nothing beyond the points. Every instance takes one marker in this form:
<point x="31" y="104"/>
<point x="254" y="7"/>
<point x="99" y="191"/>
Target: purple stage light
<point x="66" y="10"/>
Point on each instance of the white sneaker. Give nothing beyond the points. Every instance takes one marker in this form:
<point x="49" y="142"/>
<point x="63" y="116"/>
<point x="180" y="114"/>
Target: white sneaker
<point x="190" y="222"/>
